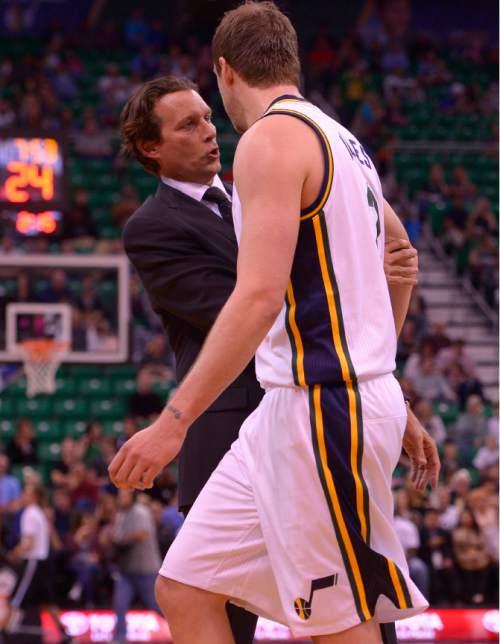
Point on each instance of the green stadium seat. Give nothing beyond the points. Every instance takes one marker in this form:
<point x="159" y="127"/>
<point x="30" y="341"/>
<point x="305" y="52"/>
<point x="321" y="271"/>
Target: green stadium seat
<point x="85" y="370"/>
<point x="48" y="430"/>
<point x="49" y="452"/>
<point x="17" y="388"/>
<point x="65" y="386"/>
<point x="7" y="429"/>
<point x="112" y="428"/>
<point x="108" y="408"/>
<point x="449" y="412"/>
<point x="34" y="407"/>
<point x="124" y="387"/>
<point x="163" y="389"/>
<point x="122" y="370"/>
<point x="74" y="428"/>
<point x="70" y="408"/>
<point x="95" y="387"/>
<point x="6" y="407"/>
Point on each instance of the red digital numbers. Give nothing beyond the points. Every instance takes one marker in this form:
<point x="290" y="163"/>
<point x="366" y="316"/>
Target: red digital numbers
<point x="31" y="223"/>
<point x="25" y="175"/>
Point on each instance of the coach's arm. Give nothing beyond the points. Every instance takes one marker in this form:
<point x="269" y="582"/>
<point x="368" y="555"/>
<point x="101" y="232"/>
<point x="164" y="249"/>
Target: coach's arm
<point x="180" y="278"/>
<point x="400" y="265"/>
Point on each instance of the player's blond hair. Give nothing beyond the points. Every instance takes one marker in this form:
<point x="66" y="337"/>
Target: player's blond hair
<point x="260" y="44"/>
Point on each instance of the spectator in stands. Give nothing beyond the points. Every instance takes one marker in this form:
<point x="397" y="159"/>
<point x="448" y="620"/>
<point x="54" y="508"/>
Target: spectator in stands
<point x="125" y="206"/>
<point x="456" y="355"/>
<point x="483" y="267"/>
<point x="433" y="423"/>
<point x="89" y="299"/>
<point x="170" y="522"/>
<point x="61" y="471"/>
<point x="138" y="558"/>
<point x="450" y="459"/>
<point x="61" y="503"/>
<point x="57" y="291"/>
<point x="461" y="187"/>
<point x="90" y="443"/>
<point x="64" y="83"/>
<point x="429" y="383"/>
<point x="472" y="426"/>
<point x="130" y="427"/>
<point x="10" y="488"/>
<point x="472" y="558"/>
<point x="437" y="553"/>
<point x="7" y="114"/>
<point x="417" y="312"/>
<point x="493" y="428"/>
<point x="410" y="540"/>
<point x="157" y="359"/>
<point x="145" y="403"/>
<point x="92" y="140"/>
<point x="115" y="84"/>
<point x="85" y="561"/>
<point x="78" y="225"/>
<point x="147" y="63"/>
<point x="406" y="343"/>
<point x="464" y="385"/>
<point x="83" y="487"/>
<point x="438" y="337"/>
<point x="22" y="448"/>
<point x="487" y="454"/>
<point x="448" y="513"/>
<point x="136" y="29"/>
<point x="482" y="217"/>
<point x="100" y="337"/>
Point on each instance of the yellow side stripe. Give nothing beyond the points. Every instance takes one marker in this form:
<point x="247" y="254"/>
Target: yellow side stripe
<point x="345" y="375"/>
<point x="397" y="584"/>
<point x="335" y="502"/>
<point x="296" y="335"/>
<point x="329" y="153"/>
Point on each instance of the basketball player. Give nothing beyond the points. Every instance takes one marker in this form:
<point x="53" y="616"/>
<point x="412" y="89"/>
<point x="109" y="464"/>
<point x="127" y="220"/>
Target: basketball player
<point x="296" y="521"/>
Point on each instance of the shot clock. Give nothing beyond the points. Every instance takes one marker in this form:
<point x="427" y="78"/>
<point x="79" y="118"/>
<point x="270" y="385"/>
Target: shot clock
<point x="32" y="182"/>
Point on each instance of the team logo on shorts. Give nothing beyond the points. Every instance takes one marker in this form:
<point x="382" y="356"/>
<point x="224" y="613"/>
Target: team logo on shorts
<point x="303" y="606"/>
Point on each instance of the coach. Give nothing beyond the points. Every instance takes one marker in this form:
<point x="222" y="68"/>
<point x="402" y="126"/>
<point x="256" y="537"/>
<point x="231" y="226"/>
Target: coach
<point x="182" y="243"/>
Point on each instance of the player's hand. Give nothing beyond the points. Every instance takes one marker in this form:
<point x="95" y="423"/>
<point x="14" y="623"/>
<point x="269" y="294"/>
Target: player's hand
<point x="143" y="456"/>
<point x="400" y="262"/>
<point x="423" y="454"/>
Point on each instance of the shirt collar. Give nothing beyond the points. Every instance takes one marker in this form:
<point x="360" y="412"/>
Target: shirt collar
<point x="195" y="190"/>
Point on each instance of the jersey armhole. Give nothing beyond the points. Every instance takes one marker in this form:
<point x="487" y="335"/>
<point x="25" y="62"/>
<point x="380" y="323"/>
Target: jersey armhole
<point x="326" y="184"/>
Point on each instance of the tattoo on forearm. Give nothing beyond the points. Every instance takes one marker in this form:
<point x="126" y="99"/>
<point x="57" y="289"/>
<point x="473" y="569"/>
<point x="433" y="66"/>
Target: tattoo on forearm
<point x="176" y="412"/>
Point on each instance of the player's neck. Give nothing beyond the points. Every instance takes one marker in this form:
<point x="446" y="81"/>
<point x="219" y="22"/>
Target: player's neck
<point x="258" y="100"/>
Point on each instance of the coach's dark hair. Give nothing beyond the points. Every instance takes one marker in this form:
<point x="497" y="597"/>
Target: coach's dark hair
<point x="138" y="121"/>
<point x="260" y="44"/>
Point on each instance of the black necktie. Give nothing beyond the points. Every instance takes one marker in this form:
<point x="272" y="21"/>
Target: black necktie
<point x="218" y="197"/>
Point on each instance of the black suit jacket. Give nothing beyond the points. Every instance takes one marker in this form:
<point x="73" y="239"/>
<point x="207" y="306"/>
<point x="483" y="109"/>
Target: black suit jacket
<point x="185" y="256"/>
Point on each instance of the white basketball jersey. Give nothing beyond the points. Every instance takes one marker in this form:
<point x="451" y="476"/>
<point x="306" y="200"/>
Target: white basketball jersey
<point x="336" y="325"/>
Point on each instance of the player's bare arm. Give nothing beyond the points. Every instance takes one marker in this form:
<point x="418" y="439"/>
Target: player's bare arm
<point x="267" y="246"/>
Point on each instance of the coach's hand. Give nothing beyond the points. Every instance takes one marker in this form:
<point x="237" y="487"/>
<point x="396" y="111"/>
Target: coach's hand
<point x="422" y="452"/>
<point x="400" y="262"/>
<point x="143" y="456"/>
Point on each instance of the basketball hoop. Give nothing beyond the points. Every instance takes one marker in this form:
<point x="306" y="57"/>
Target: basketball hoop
<point x="41" y="359"/>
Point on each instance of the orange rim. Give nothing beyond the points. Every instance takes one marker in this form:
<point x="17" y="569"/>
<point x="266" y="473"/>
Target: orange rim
<point x="43" y="349"/>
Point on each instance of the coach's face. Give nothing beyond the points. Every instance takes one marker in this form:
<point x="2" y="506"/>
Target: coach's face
<point x="188" y="149"/>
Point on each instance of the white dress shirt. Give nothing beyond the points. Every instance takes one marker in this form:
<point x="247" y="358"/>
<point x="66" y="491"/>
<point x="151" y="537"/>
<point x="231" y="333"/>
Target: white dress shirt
<point x="197" y="190"/>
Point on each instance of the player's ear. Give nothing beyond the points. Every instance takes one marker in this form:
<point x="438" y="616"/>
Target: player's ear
<point x="149" y="149"/>
<point x="225" y="71"/>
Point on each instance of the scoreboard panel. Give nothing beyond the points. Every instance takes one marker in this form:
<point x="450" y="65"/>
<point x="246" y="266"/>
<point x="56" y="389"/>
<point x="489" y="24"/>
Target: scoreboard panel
<point x="33" y="182"/>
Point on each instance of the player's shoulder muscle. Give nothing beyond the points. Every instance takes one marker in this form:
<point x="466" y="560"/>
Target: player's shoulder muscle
<point x="273" y="146"/>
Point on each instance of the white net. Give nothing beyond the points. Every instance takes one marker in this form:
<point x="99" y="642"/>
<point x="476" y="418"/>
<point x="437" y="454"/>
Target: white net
<point x="41" y="361"/>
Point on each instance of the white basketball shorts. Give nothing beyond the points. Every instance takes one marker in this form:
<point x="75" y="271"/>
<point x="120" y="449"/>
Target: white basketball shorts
<point x="296" y="522"/>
